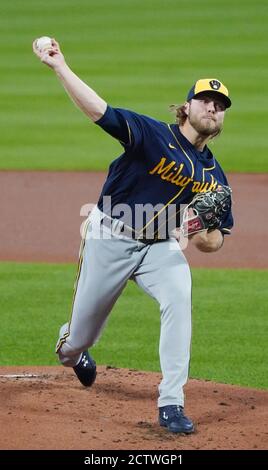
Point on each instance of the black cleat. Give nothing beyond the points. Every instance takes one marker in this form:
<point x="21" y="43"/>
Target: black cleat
<point x="173" y="418"/>
<point x="86" y="370"/>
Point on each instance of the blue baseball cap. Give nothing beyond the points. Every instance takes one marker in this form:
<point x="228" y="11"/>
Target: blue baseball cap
<point x="210" y="85"/>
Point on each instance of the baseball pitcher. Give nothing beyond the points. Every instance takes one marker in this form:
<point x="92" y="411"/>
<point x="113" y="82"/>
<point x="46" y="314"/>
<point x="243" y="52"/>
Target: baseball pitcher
<point x="166" y="182"/>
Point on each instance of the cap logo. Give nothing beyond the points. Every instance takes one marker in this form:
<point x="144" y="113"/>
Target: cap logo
<point x="215" y="85"/>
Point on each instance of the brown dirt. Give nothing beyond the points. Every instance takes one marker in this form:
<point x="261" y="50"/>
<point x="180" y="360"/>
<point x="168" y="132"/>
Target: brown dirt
<point x="40" y="221"/>
<point x="40" y="218"/>
<point x="53" y="411"/>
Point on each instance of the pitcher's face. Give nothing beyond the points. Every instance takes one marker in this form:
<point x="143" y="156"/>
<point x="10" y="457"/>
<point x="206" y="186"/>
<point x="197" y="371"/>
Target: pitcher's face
<point x="206" y="113"/>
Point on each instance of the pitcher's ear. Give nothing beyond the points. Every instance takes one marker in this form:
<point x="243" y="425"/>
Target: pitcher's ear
<point x="186" y="107"/>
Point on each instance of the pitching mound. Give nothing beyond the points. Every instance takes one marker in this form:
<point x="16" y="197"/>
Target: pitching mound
<point x="47" y="408"/>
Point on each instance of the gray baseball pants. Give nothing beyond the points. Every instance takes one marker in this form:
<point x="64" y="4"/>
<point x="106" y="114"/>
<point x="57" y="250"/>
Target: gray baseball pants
<point x="107" y="261"/>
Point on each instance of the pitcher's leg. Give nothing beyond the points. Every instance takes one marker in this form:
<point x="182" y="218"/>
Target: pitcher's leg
<point x="175" y="338"/>
<point x="105" y="268"/>
<point x="165" y="275"/>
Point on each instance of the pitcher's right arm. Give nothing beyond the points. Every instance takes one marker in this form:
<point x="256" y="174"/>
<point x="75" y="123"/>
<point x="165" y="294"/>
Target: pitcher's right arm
<point x="83" y="96"/>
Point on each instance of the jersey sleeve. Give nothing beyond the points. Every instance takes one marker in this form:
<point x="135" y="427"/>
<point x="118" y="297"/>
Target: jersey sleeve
<point x="228" y="220"/>
<point x="124" y="125"/>
<point x="227" y="224"/>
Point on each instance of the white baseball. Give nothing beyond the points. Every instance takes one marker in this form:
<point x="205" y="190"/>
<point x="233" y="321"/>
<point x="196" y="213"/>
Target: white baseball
<point x="43" y="43"/>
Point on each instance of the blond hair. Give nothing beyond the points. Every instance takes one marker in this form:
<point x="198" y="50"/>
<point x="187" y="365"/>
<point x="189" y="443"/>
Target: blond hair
<point x="179" y="111"/>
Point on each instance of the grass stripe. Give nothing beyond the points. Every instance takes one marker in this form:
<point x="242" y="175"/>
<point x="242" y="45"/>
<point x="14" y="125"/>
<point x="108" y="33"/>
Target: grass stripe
<point x="229" y="322"/>
<point x="139" y="54"/>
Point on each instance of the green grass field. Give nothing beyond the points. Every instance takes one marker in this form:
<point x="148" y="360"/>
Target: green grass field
<point x="138" y="54"/>
<point x="229" y="322"/>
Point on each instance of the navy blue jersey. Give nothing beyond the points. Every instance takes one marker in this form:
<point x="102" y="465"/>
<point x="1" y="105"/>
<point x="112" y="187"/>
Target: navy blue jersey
<point x="159" y="168"/>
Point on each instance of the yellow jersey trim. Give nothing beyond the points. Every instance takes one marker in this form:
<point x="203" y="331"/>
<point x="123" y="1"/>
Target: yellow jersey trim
<point x="129" y="132"/>
<point x="207" y="169"/>
<point x="179" y="193"/>
<point x="182" y="149"/>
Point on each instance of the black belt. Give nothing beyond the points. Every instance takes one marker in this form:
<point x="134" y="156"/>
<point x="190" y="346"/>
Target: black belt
<point x="129" y="232"/>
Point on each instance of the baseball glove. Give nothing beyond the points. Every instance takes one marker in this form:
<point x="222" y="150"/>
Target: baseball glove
<point x="206" y="211"/>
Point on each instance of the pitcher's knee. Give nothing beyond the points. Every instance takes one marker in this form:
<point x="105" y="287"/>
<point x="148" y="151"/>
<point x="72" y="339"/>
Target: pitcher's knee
<point x="177" y="296"/>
